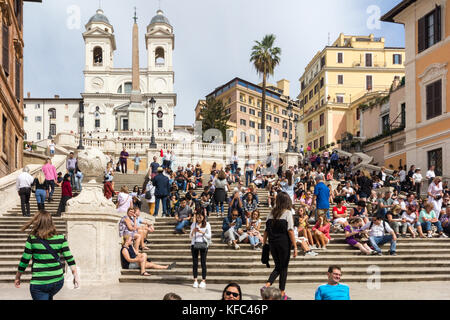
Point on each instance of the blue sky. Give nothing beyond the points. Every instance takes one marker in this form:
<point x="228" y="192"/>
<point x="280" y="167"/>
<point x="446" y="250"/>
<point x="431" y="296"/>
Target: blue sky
<point x="213" y="39"/>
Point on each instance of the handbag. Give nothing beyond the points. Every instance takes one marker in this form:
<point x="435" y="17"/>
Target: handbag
<point x="53" y="253"/>
<point x="200" y="245"/>
<point x="148" y="195"/>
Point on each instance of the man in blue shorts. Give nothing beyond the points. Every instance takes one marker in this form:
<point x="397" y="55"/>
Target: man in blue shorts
<point x="333" y="290"/>
<point x="321" y="198"/>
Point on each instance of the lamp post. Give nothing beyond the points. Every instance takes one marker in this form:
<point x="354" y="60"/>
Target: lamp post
<point x="81" y="124"/>
<point x="295" y="140"/>
<point x="289" y="109"/>
<point x="49" y="124"/>
<point x="152" y="103"/>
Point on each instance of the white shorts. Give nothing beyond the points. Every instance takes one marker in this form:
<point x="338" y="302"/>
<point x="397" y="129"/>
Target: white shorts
<point x="339" y="220"/>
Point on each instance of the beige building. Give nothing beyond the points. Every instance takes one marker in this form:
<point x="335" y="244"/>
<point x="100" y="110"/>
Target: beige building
<point x="339" y="75"/>
<point x="242" y="100"/>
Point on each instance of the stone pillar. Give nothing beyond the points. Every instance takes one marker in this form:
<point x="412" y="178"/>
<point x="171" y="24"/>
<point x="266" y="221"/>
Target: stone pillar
<point x="290" y="159"/>
<point x="92" y="226"/>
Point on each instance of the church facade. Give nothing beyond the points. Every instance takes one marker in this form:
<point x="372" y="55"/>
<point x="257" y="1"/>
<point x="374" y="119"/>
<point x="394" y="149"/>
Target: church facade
<point x="117" y="99"/>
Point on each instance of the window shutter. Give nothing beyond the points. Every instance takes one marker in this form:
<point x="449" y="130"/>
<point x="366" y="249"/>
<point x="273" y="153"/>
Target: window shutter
<point x="5" y="48"/>
<point x="437" y="24"/>
<point x="17" y="75"/>
<point x="438" y="98"/>
<point x="430" y="100"/>
<point x="393" y="59"/>
<point x="400" y="59"/>
<point x="421" y="33"/>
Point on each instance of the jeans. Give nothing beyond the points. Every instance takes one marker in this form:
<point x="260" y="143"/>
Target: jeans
<point x="24" y="194"/>
<point x="164" y="205"/>
<point x="248" y="176"/>
<point x="234" y="167"/>
<point x="221" y="207"/>
<point x="123" y="166"/>
<point x="45" y="291"/>
<point x="78" y="181"/>
<point x="52" y="188"/>
<point x="72" y="177"/>
<point x="40" y="195"/>
<point x="395" y="225"/>
<point x="254" y="240"/>
<point x="181" y="185"/>
<point x="203" y="254"/>
<point x="378" y="241"/>
<point x="231" y="235"/>
<point x="181" y="225"/>
<point x="426" y="226"/>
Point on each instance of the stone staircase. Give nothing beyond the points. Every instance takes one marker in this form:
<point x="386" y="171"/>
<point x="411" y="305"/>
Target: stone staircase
<point x="12" y="240"/>
<point x="416" y="260"/>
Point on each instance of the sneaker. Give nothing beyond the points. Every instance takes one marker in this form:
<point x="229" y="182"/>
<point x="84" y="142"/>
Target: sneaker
<point x="430" y="235"/>
<point x="443" y="235"/>
<point x="285" y="297"/>
<point x="202" y="285"/>
<point x="236" y="247"/>
<point x="195" y="285"/>
<point x="310" y="253"/>
<point x="392" y="253"/>
<point x="230" y="243"/>
<point x="379" y="253"/>
<point x="172" y="265"/>
<point x="258" y="249"/>
<point x="313" y="247"/>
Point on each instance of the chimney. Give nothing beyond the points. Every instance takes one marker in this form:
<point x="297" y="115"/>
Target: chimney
<point x="28" y="94"/>
<point x="56" y="96"/>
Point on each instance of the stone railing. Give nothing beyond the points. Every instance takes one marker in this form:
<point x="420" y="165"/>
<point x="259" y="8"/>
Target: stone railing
<point x="8" y="191"/>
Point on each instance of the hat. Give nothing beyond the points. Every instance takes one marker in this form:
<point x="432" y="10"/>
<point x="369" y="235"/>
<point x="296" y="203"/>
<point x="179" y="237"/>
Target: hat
<point x="402" y="196"/>
<point x="160" y="169"/>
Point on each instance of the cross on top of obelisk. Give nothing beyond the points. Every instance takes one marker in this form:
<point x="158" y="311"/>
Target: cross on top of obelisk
<point x="135" y="16"/>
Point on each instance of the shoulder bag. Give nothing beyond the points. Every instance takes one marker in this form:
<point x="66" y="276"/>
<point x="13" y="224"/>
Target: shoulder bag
<point x="53" y="253"/>
<point x="200" y="245"/>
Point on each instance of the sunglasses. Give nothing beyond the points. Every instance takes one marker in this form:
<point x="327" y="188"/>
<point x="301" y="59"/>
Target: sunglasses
<point x="234" y="294"/>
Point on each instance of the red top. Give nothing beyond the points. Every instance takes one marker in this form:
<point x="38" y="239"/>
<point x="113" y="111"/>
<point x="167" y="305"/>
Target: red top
<point x="324" y="229"/>
<point x="66" y="189"/>
<point x="108" y="190"/>
<point x="339" y="213"/>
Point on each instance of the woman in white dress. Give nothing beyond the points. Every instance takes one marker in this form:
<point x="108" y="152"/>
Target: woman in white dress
<point x="435" y="195"/>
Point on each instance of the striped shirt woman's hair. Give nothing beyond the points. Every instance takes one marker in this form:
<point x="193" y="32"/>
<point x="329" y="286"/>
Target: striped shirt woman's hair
<point x="282" y="203"/>
<point x="42" y="225"/>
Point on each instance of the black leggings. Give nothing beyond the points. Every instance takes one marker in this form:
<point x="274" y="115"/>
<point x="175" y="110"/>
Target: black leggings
<point x="280" y="253"/>
<point x="203" y="254"/>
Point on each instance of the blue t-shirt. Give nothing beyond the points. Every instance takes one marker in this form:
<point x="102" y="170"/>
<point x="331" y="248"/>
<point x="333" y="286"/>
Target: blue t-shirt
<point x="329" y="292"/>
<point x="154" y="166"/>
<point x="323" y="196"/>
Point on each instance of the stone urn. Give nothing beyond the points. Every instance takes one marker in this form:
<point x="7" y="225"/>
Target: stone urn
<point x="92" y="163"/>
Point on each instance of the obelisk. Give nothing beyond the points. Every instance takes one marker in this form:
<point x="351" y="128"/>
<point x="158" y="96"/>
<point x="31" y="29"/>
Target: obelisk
<point x="136" y="111"/>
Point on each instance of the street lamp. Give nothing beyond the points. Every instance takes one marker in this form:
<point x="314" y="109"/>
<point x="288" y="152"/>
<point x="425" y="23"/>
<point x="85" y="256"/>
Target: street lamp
<point x="152" y="103"/>
<point x="289" y="109"/>
<point x="81" y="124"/>
<point x="295" y="140"/>
<point x="49" y="124"/>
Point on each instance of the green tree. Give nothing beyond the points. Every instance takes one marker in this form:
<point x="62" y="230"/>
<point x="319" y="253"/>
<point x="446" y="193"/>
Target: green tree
<point x="213" y="116"/>
<point x="265" y="58"/>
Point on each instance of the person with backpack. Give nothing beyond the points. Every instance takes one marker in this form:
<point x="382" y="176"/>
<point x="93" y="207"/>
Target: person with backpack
<point x="44" y="245"/>
<point x="380" y="233"/>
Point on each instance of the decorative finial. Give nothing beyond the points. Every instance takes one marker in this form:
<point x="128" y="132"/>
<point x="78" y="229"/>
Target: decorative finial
<point x="135" y="16"/>
<point x="159" y="4"/>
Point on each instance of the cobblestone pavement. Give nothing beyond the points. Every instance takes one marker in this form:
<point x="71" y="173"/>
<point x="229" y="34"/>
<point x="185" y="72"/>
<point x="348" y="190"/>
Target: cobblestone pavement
<point x="131" y="291"/>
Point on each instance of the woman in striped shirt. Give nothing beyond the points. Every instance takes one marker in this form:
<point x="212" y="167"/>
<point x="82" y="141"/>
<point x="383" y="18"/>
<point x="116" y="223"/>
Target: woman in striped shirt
<point x="44" y="246"/>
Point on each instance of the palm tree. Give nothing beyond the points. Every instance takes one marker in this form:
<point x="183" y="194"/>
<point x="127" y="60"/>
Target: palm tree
<point x="265" y="58"/>
<point x="213" y="116"/>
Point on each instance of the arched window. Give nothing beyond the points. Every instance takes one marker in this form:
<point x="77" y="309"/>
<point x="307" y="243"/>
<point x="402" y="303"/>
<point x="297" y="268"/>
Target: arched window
<point x="159" y="56"/>
<point x="98" y="56"/>
<point x="128" y="86"/>
<point x="52" y="113"/>
<point x="119" y="90"/>
<point x="97" y="117"/>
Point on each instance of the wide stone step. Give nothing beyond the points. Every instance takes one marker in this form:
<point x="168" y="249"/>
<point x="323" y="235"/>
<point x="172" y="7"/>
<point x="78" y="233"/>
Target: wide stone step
<point x="156" y="278"/>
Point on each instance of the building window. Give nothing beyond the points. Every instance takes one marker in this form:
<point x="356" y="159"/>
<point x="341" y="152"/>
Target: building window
<point x="310" y="95"/>
<point x="276" y="120"/>
<point x="321" y="82"/>
<point x="243" y="122"/>
<point x="435" y="159"/>
<point x="284" y="112"/>
<point x="368" y="60"/>
<point x="98" y="56"/>
<point x="37" y="106"/>
<point x="316" y="143"/>
<point x="369" y="83"/>
<point x="252" y="112"/>
<point x="159" y="56"/>
<point x="322" y="62"/>
<point x="429" y="29"/>
<point x="403" y="111"/>
<point x="259" y="114"/>
<point x="242" y="97"/>
<point x="322" y="142"/>
<point x="316" y="88"/>
<point x="52" y="112"/>
<point x="250" y="100"/>
<point x="229" y="100"/>
<point x="252" y="124"/>
<point x="260" y="126"/>
<point x="52" y="129"/>
<point x="97" y="123"/>
<point x="340" y="79"/>
<point x="243" y="137"/>
<point x="275" y="109"/>
<point x="309" y="125"/>
<point x="269" y="117"/>
<point x="302" y="85"/>
<point x="258" y="104"/>
<point x="285" y="135"/>
<point x="252" y="138"/>
<point x="228" y="111"/>
<point x="306" y="99"/>
<point x="358" y="114"/>
<point x="285" y="124"/>
<point x="243" y="109"/>
<point x="385" y="123"/>
<point x="276" y="132"/>
<point x="397" y="59"/>
<point x="322" y="119"/>
<point x="434" y="99"/>
<point x="160" y="123"/>
<point x="5" y="135"/>
<point x="17" y="75"/>
<point x="5" y="48"/>
<point x="38" y="136"/>
<point x="340" y="57"/>
<point x="340" y="99"/>
<point x="128" y="86"/>
<point x="38" y="119"/>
